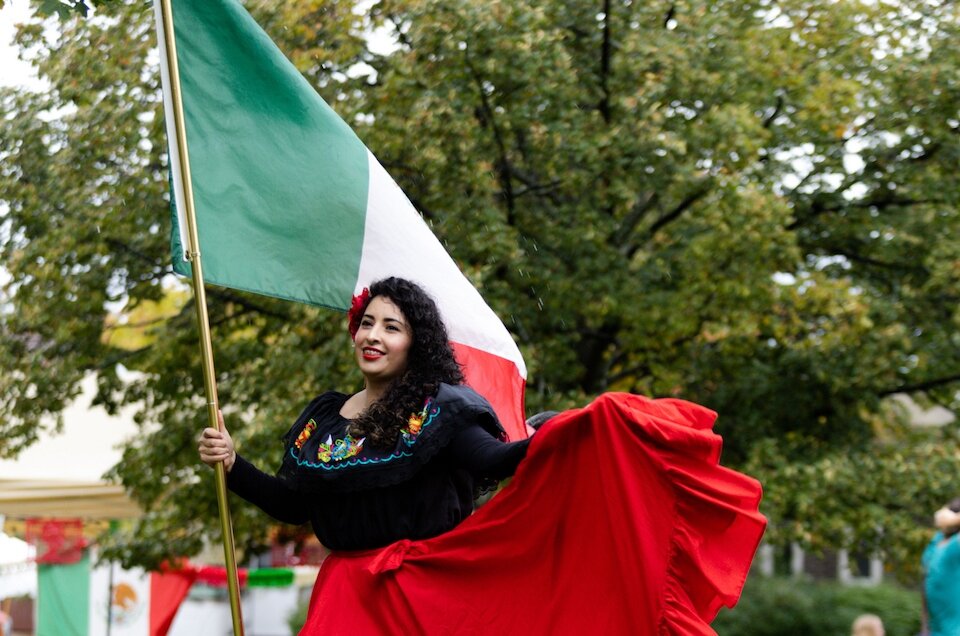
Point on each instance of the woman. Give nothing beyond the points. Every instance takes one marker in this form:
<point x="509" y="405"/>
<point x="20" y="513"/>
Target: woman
<point x="378" y="465"/>
<point x="941" y="567"/>
<point x="619" y="522"/>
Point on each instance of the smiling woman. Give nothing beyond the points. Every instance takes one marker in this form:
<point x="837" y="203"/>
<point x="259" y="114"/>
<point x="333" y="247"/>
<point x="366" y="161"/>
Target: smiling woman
<point x="381" y="345"/>
<point x="412" y="448"/>
<point x="388" y="477"/>
<point x="402" y="348"/>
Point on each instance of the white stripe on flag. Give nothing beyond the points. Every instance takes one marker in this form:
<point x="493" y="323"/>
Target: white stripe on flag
<point x="172" y="143"/>
<point x="398" y="242"/>
<point x="123" y="610"/>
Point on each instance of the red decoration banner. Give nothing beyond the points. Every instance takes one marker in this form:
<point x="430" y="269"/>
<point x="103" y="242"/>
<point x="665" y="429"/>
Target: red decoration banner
<point x="56" y="540"/>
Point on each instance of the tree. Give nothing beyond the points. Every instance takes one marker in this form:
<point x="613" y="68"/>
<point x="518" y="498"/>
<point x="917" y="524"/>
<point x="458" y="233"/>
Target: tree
<point x="748" y="204"/>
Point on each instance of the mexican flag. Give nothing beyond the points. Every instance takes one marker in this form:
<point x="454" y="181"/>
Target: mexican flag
<point x="81" y="600"/>
<point x="290" y="203"/>
<point x="78" y="599"/>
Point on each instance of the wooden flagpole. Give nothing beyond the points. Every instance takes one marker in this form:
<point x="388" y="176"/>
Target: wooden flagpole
<point x="203" y="321"/>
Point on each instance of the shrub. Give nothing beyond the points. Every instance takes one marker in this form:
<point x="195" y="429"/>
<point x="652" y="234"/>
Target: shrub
<point x="795" y="607"/>
<point x="299" y="616"/>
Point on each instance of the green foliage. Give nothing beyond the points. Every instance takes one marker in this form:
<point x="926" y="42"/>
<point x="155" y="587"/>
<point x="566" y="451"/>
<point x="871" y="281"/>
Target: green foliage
<point x="875" y="500"/>
<point x="299" y="616"/>
<point x="753" y="205"/>
<point x="792" y="607"/>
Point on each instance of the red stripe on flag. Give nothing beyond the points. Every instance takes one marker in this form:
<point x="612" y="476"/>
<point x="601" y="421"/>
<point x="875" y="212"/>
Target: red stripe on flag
<point x="167" y="592"/>
<point x="498" y="380"/>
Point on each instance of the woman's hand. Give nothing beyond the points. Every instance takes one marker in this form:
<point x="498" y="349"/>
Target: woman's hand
<point x="217" y="446"/>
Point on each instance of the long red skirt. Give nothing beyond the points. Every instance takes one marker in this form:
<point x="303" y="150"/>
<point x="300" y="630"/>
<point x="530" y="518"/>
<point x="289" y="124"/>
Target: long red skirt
<point x="619" y="521"/>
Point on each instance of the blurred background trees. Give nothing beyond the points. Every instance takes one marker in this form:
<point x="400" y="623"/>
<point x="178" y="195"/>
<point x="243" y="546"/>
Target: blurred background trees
<point x="750" y="204"/>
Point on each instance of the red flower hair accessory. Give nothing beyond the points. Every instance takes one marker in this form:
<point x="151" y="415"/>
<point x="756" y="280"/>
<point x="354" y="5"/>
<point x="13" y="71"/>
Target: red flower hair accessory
<point x="355" y="313"/>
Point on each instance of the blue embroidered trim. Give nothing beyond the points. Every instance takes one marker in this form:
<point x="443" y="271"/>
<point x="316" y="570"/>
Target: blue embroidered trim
<point x="364" y="461"/>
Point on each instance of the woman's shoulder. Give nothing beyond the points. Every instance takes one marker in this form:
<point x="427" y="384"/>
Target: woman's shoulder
<point x="461" y="396"/>
<point x="463" y="406"/>
<point x="326" y="404"/>
<point x="321" y="412"/>
<point x="330" y="396"/>
<point x="334" y="397"/>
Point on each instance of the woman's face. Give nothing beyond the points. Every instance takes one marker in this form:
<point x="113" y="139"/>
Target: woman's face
<point x="382" y="341"/>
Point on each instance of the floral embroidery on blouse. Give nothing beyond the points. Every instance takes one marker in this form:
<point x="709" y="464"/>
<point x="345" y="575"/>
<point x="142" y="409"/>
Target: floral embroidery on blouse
<point x="305" y="433"/>
<point x="417" y="421"/>
<point x="339" y="450"/>
<point x="331" y="463"/>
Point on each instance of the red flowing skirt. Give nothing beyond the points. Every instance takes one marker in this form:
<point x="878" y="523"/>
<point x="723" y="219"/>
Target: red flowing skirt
<point x="619" y="521"/>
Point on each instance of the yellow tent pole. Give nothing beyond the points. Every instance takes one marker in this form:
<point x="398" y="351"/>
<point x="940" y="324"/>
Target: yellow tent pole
<point x="200" y="297"/>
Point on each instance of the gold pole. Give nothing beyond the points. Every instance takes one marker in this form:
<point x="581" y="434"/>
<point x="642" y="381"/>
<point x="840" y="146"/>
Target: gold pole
<point x="200" y="297"/>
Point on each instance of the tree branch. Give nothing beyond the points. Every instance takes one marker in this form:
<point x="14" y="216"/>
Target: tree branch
<point x="401" y="36"/>
<point x="141" y="256"/>
<point x="641" y="206"/>
<point x="866" y="260"/>
<point x="676" y="212"/>
<point x="136" y="325"/>
<point x="535" y="189"/>
<point x="818" y="207"/>
<point x="670" y="13"/>
<point x="881" y="204"/>
<point x="228" y="295"/>
<point x="503" y="165"/>
<point x="776" y="112"/>
<point x="533" y="185"/>
<point x="221" y="293"/>
<point x="591" y="348"/>
<point x="921" y="386"/>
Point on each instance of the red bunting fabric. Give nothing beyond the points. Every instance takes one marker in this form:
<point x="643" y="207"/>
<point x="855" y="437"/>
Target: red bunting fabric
<point x="58" y="541"/>
<point x="619" y="521"/>
<point x="216" y="576"/>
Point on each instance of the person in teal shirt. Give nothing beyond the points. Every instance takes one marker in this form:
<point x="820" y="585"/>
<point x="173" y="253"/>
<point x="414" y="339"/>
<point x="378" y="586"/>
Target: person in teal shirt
<point x="941" y="567"/>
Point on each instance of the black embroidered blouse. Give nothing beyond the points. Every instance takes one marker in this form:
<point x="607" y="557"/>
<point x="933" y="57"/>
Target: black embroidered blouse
<point x="357" y="497"/>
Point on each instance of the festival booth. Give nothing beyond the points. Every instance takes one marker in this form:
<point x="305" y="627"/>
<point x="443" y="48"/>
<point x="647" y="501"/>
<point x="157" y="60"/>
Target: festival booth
<point x="76" y="595"/>
<point x="52" y="496"/>
<point x="61" y="519"/>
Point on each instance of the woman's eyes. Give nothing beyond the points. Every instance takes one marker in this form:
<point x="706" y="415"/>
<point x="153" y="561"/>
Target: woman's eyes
<point x="367" y="324"/>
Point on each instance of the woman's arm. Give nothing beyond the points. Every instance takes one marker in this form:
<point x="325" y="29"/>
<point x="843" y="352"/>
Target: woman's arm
<point x="483" y="455"/>
<point x="267" y="492"/>
<point x="262" y="490"/>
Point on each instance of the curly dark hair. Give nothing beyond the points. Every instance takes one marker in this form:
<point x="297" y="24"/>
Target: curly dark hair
<point x="430" y="361"/>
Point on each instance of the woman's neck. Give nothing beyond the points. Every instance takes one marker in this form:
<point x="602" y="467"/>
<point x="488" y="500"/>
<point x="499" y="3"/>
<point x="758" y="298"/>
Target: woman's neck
<point x="373" y="392"/>
<point x="361" y="401"/>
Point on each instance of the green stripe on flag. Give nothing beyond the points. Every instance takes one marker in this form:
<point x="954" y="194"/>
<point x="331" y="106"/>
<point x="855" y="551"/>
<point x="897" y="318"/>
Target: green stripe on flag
<point x="63" y="599"/>
<point x="280" y="181"/>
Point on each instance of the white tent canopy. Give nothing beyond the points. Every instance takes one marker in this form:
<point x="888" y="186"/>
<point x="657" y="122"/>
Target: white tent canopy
<point x="26" y="498"/>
